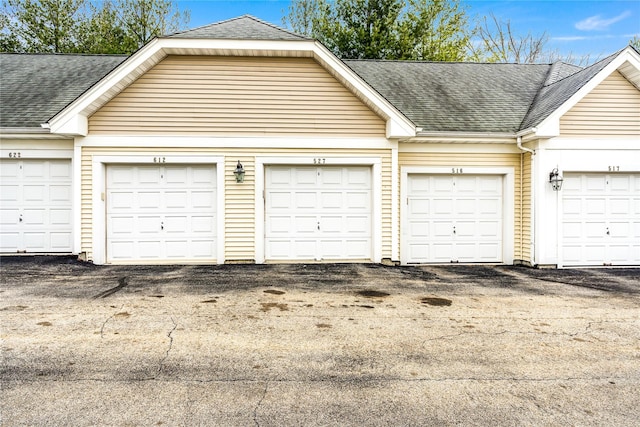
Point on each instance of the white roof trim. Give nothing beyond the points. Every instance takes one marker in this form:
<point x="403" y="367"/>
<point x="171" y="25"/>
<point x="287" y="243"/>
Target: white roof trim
<point x="627" y="62"/>
<point x="74" y="118"/>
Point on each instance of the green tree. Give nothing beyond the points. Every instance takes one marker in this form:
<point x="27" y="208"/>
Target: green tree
<point x="42" y="25"/>
<point x="87" y="26"/>
<point x="385" y="29"/>
<point x="436" y="30"/>
<point x="142" y="20"/>
<point x="635" y="42"/>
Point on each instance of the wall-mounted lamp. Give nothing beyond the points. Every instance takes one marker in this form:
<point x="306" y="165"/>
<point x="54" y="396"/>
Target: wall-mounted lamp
<point x="239" y="172"/>
<point x="555" y="179"/>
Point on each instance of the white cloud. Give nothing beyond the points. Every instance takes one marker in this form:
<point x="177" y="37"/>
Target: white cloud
<point x="597" y="23"/>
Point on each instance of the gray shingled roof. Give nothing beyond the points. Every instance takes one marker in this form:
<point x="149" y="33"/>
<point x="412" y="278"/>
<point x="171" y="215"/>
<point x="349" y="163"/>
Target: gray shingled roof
<point x="33" y="88"/>
<point x="244" y="27"/>
<point x="558" y="91"/>
<point x="436" y="96"/>
<point x="468" y="97"/>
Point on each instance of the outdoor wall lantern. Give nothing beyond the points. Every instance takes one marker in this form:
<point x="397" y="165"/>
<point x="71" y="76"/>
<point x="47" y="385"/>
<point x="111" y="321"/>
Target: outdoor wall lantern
<point x="555" y="179"/>
<point x="239" y="172"/>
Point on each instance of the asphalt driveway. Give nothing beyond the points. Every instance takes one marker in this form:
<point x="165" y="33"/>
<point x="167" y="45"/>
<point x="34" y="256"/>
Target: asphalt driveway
<point x="350" y="344"/>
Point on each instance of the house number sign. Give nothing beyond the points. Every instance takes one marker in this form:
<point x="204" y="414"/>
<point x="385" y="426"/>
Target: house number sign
<point x="159" y="160"/>
<point x="614" y="168"/>
<point x="319" y="161"/>
<point x="456" y="170"/>
<point x="15" y="155"/>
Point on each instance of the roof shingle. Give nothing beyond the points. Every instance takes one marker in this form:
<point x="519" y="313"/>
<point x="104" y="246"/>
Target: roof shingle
<point x="244" y="27"/>
<point x="463" y="97"/>
<point x="35" y="87"/>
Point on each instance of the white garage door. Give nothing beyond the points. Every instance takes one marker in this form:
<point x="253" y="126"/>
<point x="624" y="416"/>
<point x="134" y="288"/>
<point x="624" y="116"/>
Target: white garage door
<point x="318" y="213"/>
<point x="601" y="219"/>
<point x="35" y="206"/>
<point x="161" y="213"/>
<point x="453" y="218"/>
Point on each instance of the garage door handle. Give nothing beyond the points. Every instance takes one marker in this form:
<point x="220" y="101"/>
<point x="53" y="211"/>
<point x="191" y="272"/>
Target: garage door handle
<point x="608" y="231"/>
<point x="162" y="226"/>
<point x="454" y="230"/>
<point x="20" y="219"/>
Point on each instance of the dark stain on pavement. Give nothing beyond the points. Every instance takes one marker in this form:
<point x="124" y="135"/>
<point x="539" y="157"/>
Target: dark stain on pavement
<point x="369" y="293"/>
<point x="436" y="302"/>
<point x="266" y="306"/>
<point x="274" y="292"/>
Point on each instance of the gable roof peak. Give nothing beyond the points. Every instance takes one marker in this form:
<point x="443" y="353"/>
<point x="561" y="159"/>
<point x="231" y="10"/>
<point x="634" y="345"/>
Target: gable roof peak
<point x="245" y="27"/>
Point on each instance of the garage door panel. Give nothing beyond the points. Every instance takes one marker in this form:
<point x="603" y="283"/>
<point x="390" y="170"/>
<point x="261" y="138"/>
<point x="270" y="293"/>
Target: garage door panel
<point x="34" y="217"/>
<point x="161" y="214"/>
<point x="279" y="200"/>
<point x="357" y="248"/>
<point x="358" y="200"/>
<point x="442" y="252"/>
<point x="442" y="206"/>
<point x="442" y="228"/>
<point x="419" y="207"/>
<point x="331" y="177"/>
<point x="202" y="249"/>
<point x="34" y="193"/>
<point x="303" y="177"/>
<point x="176" y="224"/>
<point x="176" y="199"/>
<point x="419" y="229"/>
<point x="60" y="217"/>
<point x="60" y="241"/>
<point x="146" y="200"/>
<point x="326" y="209"/>
<point x="176" y="176"/>
<point x="305" y="200"/>
<point x="33" y="241"/>
<point x="595" y="206"/>
<point x="466" y="207"/>
<point x="9" y="194"/>
<point x="203" y="224"/>
<point x="203" y="199"/>
<point x="358" y="177"/>
<point x="419" y="253"/>
<point x="331" y="200"/>
<point x="451" y="217"/>
<point x="148" y="175"/>
<point x="600" y="216"/>
<point x="9" y="216"/>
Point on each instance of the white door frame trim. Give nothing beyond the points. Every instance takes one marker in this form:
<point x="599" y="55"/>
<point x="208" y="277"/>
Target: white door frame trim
<point x="508" y="201"/>
<point x="376" y="179"/>
<point x="99" y="174"/>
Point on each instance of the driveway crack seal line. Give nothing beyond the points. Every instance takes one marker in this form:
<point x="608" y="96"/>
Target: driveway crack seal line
<point x="255" y="410"/>
<point x="107" y="321"/>
<point x="169" y="335"/>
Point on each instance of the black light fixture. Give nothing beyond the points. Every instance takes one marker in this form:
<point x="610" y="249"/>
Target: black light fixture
<point x="239" y="172"/>
<point x="555" y="179"/>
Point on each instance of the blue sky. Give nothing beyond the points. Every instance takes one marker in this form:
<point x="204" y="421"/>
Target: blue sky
<point x="575" y="27"/>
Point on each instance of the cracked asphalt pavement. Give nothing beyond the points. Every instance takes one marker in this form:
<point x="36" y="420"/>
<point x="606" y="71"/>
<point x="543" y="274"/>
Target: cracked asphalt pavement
<point x="347" y="345"/>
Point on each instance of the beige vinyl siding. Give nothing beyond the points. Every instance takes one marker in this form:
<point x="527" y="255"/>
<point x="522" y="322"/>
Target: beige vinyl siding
<point x="239" y="197"/>
<point x="488" y="160"/>
<point x="239" y="96"/>
<point x="612" y="109"/>
<point x="525" y="232"/>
